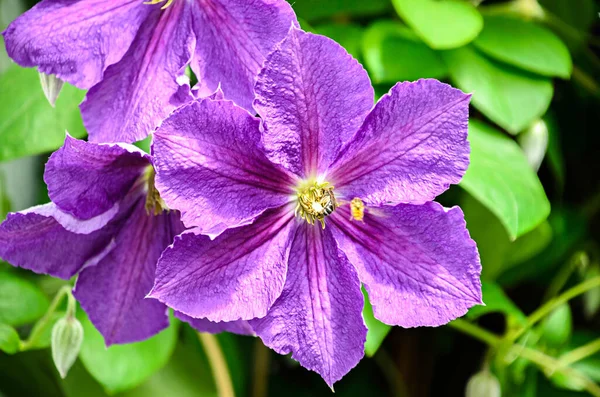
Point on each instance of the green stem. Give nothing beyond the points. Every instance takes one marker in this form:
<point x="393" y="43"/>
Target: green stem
<point x="476" y="332"/>
<point x="41" y="325"/>
<point x="560" y="280"/>
<point x="552" y="304"/>
<point x="218" y="364"/>
<point x="261" y="369"/>
<point x="580" y="353"/>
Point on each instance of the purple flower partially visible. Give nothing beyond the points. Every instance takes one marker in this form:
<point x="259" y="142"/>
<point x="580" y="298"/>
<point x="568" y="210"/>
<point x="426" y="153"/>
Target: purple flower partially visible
<point x="106" y="224"/>
<point x="321" y="193"/>
<point x="132" y="55"/>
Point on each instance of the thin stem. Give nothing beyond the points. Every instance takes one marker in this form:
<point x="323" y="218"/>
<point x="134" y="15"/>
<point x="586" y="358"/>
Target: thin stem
<point x="391" y="372"/>
<point x="41" y="325"/>
<point x="261" y="369"/>
<point x="476" y="332"/>
<point x="560" y="280"/>
<point x="580" y="353"/>
<point x="218" y="364"/>
<point x="552" y="304"/>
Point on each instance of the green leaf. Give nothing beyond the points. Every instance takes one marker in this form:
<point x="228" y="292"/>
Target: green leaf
<point x="9" y="339"/>
<point x="441" y="24"/>
<point x="511" y="98"/>
<point x="348" y="36"/>
<point x="529" y="245"/>
<point x="4" y="200"/>
<point x="123" y="367"/>
<point x="21" y="302"/>
<point x="525" y="45"/>
<point x="571" y="21"/>
<point x="26" y="115"/>
<point x="319" y="9"/>
<point x="501" y="179"/>
<point x="392" y="52"/>
<point x="556" y="329"/>
<point x="377" y="331"/>
<point x="496" y="301"/>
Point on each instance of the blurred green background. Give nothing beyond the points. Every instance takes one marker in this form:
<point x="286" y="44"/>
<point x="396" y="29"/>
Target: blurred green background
<point x="531" y="198"/>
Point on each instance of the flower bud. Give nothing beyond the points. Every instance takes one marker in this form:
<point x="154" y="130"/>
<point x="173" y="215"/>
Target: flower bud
<point x="51" y="86"/>
<point x="67" y="336"/>
<point x="483" y="384"/>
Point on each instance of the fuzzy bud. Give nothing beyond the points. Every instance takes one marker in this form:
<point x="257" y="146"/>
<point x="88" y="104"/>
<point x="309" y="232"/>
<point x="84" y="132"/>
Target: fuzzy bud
<point x="483" y="384"/>
<point x="51" y="85"/>
<point x="67" y="336"/>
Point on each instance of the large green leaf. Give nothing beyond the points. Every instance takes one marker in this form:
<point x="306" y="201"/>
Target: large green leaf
<point x="348" y="35"/>
<point x="441" y="24"/>
<point x="377" y="330"/>
<point x="501" y="179"/>
<point x="525" y="45"/>
<point x="496" y="301"/>
<point x="28" y="124"/>
<point x="122" y="367"/>
<point x="21" y="302"/>
<point x="511" y="98"/>
<point x="392" y="52"/>
<point x="318" y="9"/>
<point x="9" y="339"/>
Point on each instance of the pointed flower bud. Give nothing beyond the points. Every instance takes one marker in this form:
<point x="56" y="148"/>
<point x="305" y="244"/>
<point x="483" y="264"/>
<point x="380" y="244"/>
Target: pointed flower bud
<point x="67" y="336"/>
<point x="483" y="384"/>
<point x="51" y="86"/>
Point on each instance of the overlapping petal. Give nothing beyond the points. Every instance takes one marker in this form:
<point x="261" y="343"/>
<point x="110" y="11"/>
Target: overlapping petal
<point x="35" y="240"/>
<point x="239" y="327"/>
<point x="210" y="165"/>
<point x="236" y="276"/>
<point x="313" y="97"/>
<point x="318" y="317"/>
<point x="142" y="88"/>
<point x="418" y="263"/>
<point x="411" y="147"/>
<point x="112" y="291"/>
<point x="86" y="179"/>
<point x="75" y="39"/>
<point x="233" y="39"/>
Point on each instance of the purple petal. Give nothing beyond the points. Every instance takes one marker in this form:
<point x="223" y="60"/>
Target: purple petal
<point x="412" y="146"/>
<point x="112" y="291"/>
<point x="418" y="263"/>
<point x="313" y="97"/>
<point x="142" y="89"/>
<point x="211" y="167"/>
<point x="233" y="39"/>
<point x="239" y="327"/>
<point x="318" y="317"/>
<point x="86" y="179"/>
<point x="237" y="276"/>
<point x="35" y="240"/>
<point x="75" y="40"/>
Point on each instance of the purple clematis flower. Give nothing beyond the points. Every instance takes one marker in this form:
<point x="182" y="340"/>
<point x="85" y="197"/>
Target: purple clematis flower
<point x="133" y="54"/>
<point x="321" y="193"/>
<point x="106" y="223"/>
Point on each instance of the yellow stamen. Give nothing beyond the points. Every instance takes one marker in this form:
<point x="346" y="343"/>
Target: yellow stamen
<point x="154" y="203"/>
<point x="315" y="201"/>
<point x="167" y="4"/>
<point x="357" y="208"/>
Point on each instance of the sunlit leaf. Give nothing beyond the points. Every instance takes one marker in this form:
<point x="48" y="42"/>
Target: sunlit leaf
<point x="441" y="24"/>
<point x="348" y="35"/>
<point x="9" y="339"/>
<point x="508" y="96"/>
<point x="21" y="302"/>
<point x="392" y="52"/>
<point x="28" y="124"/>
<point x="557" y="327"/>
<point x="122" y="367"/>
<point x="501" y="179"/>
<point x="525" y="45"/>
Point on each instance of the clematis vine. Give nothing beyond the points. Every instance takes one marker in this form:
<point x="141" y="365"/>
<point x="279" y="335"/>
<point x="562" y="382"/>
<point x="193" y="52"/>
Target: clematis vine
<point x="106" y="223"/>
<point x="132" y="54"/>
<point x="291" y="212"/>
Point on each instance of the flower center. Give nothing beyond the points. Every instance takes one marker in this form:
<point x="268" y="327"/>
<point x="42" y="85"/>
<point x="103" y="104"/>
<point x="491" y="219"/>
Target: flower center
<point x="315" y="201"/>
<point x="154" y="204"/>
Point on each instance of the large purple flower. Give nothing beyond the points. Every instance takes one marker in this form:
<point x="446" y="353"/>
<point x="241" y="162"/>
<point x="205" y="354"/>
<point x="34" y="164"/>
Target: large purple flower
<point x="133" y="54"/>
<point x="105" y="223"/>
<point x="322" y="193"/>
